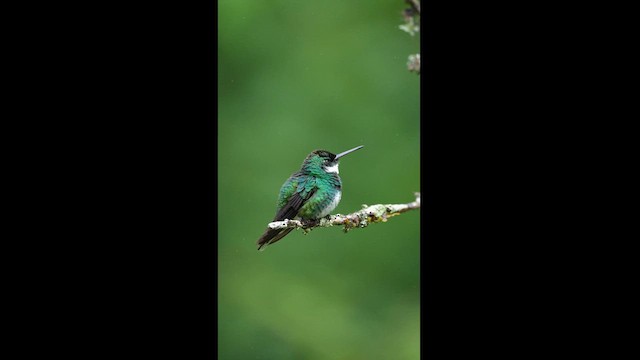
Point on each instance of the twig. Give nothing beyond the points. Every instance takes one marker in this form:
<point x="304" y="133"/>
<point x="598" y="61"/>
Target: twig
<point x="415" y="4"/>
<point x="411" y="26"/>
<point x="413" y="64"/>
<point x="360" y="219"/>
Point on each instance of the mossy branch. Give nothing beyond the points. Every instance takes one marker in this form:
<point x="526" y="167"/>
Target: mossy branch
<point x="358" y="219"/>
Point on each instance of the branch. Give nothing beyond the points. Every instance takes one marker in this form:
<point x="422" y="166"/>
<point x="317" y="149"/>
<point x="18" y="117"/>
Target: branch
<point x="360" y="219"/>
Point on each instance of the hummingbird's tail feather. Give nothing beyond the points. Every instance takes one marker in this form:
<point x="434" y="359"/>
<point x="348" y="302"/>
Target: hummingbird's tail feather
<point x="270" y="236"/>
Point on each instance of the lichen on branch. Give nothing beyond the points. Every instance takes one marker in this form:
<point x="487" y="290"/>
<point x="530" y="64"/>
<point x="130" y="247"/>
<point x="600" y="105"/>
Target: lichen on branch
<point x="359" y="219"/>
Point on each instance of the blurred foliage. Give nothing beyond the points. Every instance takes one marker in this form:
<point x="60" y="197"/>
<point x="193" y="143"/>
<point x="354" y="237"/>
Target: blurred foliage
<point x="294" y="77"/>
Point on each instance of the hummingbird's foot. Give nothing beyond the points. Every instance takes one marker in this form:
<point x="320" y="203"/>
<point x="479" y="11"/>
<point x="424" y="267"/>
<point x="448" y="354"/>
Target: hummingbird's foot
<point x="309" y="223"/>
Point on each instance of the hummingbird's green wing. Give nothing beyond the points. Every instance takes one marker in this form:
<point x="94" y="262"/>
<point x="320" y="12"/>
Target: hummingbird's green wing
<point x="293" y="195"/>
<point x="293" y="205"/>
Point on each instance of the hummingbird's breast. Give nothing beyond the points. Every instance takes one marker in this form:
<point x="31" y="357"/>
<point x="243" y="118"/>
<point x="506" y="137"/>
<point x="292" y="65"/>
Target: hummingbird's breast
<point x="333" y="203"/>
<point x="328" y="192"/>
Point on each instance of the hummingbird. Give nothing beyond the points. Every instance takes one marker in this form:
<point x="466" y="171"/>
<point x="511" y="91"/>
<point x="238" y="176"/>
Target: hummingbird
<point x="311" y="193"/>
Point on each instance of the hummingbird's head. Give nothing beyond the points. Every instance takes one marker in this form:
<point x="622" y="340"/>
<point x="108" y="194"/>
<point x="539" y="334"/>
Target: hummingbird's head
<point x="323" y="160"/>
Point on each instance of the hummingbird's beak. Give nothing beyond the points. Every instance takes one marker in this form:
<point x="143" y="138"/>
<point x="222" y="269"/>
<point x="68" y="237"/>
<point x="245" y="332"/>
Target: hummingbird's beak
<point x="348" y="151"/>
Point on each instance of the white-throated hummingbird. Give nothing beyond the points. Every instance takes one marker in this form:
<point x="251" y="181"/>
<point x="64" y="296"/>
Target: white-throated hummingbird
<point x="309" y="194"/>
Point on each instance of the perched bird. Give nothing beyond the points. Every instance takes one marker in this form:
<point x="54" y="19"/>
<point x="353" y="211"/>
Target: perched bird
<point x="309" y="194"/>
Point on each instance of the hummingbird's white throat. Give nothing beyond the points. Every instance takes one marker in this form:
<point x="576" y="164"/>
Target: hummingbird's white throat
<point x="332" y="169"/>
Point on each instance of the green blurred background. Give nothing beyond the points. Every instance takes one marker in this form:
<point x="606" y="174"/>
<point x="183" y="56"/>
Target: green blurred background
<point x="293" y="77"/>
